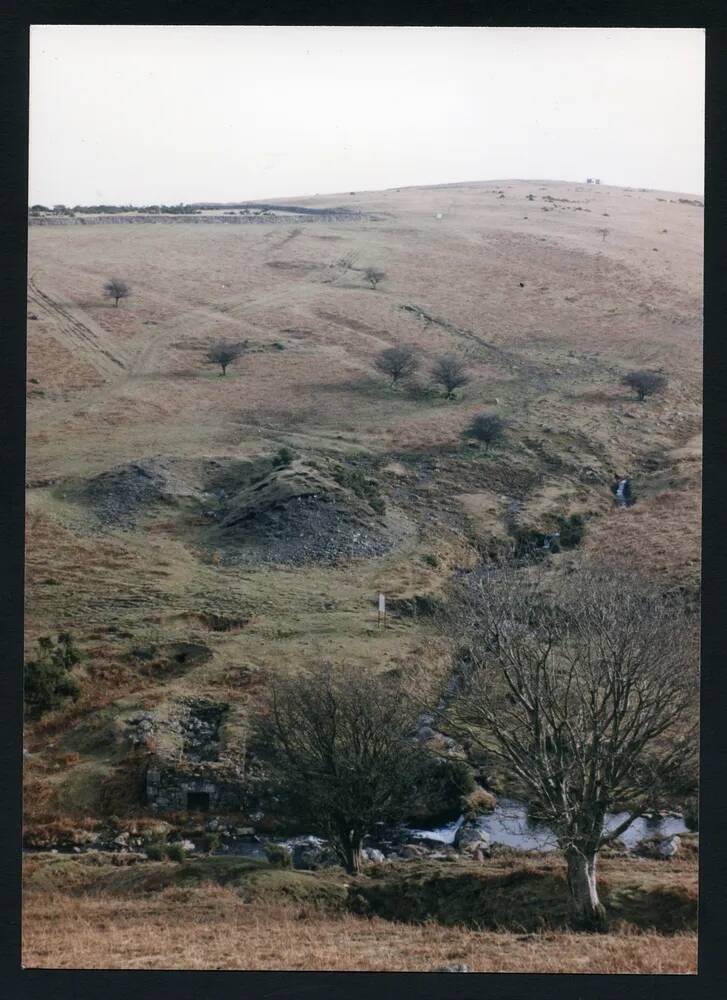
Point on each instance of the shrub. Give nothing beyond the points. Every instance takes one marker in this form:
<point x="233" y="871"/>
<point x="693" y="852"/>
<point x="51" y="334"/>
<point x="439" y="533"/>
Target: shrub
<point x="478" y="803"/>
<point x="210" y="842"/>
<point x="224" y="354"/>
<point x="175" y="852"/>
<point x="443" y="786"/>
<point x="283" y="457"/>
<point x="451" y="373"/>
<point x="154" y="851"/>
<point x="362" y="485"/>
<point x="571" y="531"/>
<point x="397" y="362"/>
<point x="47" y="678"/>
<point x="645" y="383"/>
<point x="529" y="543"/>
<point x="278" y="855"/>
<point x="431" y="560"/>
<point x="487" y="428"/>
<point x="116" y="289"/>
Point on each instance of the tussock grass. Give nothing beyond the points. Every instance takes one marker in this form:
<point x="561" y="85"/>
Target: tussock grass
<point x="211" y="927"/>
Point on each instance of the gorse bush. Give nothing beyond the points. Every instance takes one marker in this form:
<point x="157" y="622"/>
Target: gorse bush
<point x="175" y="852"/>
<point x="283" y="457"/>
<point x="211" y="842"/>
<point x="442" y="787"/>
<point x="571" y="531"/>
<point x="47" y="678"/>
<point x="277" y="855"/>
<point x="362" y="485"/>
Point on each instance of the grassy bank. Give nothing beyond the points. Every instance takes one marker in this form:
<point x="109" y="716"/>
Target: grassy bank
<point x="96" y="910"/>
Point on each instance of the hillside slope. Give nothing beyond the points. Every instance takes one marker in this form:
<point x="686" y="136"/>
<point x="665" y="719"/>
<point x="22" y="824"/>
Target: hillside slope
<point x="142" y="459"/>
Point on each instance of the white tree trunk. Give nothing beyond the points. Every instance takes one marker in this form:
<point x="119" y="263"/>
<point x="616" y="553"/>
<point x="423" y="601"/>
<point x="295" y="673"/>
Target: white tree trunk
<point x="586" y="907"/>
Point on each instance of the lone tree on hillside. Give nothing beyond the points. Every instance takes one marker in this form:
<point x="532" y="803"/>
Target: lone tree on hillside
<point x="373" y="276"/>
<point x="340" y="747"/>
<point x="116" y="289"/>
<point x="487" y="428"/>
<point x="451" y="373"/>
<point x="585" y="690"/>
<point x="224" y="354"/>
<point x="646" y="383"/>
<point x="397" y="362"/>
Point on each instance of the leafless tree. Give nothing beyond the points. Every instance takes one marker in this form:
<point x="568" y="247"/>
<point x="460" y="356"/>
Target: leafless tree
<point x="604" y="233"/>
<point x="373" y="276"/>
<point x="487" y="428"/>
<point x="646" y="383"/>
<point x="341" y="751"/>
<point x="397" y="362"/>
<point x="224" y="354"/>
<point x="451" y="373"/>
<point x="116" y="289"/>
<point x="585" y="689"/>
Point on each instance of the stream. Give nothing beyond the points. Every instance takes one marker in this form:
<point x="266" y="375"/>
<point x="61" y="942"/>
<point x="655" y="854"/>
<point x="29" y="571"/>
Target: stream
<point x="509" y="824"/>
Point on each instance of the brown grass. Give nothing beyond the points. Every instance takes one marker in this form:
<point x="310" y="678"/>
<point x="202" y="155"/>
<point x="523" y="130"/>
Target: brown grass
<point x="211" y="928"/>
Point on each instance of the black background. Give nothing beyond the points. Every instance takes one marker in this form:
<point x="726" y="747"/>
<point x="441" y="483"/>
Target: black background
<point x="711" y="981"/>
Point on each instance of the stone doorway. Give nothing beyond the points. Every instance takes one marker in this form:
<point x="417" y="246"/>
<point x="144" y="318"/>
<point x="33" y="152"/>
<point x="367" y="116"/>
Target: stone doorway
<point x="198" y="801"/>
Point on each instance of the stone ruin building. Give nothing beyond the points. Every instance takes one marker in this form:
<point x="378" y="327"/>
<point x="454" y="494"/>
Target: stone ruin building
<point x="197" y="757"/>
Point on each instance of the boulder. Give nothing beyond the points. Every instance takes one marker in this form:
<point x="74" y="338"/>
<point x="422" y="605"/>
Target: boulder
<point x="413" y="851"/>
<point x="373" y="855"/>
<point x="312" y="853"/>
<point x="453" y="968"/>
<point x="660" y="847"/>
<point x="470" y="839"/>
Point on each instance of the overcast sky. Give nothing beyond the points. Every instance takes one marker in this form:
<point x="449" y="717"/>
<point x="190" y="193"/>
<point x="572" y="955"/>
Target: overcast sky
<point x="181" y="113"/>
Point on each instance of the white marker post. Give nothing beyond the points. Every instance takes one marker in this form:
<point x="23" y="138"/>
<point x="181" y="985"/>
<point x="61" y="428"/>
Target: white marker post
<point x="382" y="610"/>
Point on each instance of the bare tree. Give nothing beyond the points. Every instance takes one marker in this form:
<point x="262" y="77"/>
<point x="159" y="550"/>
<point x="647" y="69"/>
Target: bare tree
<point x="487" y="428"/>
<point x="224" y="354"/>
<point x="116" y="289"/>
<point x="340" y="746"/>
<point x="646" y="383"/>
<point x="604" y="233"/>
<point x="373" y="276"/>
<point x="397" y="362"/>
<point x="585" y="689"/>
<point x="451" y="373"/>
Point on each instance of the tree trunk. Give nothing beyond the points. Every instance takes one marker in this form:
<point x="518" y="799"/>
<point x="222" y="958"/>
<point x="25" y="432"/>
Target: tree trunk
<point x="116" y="303"/>
<point x="352" y="854"/>
<point x="224" y="369"/>
<point x="586" y="908"/>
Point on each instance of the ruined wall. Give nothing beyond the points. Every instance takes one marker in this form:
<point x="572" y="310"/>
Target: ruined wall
<point x="167" y="789"/>
<point x="198" y="752"/>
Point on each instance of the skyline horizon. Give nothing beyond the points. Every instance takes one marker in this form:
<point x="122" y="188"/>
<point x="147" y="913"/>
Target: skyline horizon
<point x="363" y="191"/>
